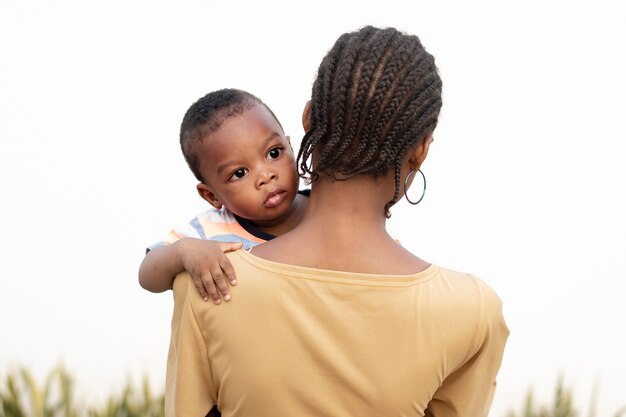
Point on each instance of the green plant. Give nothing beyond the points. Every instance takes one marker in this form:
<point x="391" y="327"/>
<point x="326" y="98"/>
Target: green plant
<point x="562" y="405"/>
<point x="132" y="403"/>
<point x="24" y="397"/>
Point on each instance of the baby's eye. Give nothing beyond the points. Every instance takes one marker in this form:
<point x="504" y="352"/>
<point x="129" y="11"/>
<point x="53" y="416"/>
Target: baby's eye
<point x="240" y="173"/>
<point x="274" y="153"/>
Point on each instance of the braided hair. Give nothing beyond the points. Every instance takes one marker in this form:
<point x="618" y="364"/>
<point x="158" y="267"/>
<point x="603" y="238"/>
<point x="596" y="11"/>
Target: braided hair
<point x="377" y="94"/>
<point x="207" y="114"/>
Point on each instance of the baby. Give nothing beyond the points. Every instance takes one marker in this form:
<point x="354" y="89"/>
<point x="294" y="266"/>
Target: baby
<point x="237" y="149"/>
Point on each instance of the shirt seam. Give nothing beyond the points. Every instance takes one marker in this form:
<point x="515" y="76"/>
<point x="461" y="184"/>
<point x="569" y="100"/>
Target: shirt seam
<point x="394" y="281"/>
<point x="201" y="330"/>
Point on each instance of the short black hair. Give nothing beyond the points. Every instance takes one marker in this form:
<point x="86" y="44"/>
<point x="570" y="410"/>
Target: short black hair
<point x="377" y="95"/>
<point x="207" y="114"/>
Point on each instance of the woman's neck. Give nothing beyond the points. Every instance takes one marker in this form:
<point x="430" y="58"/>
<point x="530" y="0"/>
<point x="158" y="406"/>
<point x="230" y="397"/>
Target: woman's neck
<point x="344" y="229"/>
<point x="343" y="205"/>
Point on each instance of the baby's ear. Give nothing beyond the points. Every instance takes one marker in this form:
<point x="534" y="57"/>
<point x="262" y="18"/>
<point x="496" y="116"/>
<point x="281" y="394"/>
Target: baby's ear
<point x="207" y="194"/>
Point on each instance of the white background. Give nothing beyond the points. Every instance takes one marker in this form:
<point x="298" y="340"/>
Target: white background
<point x="525" y="177"/>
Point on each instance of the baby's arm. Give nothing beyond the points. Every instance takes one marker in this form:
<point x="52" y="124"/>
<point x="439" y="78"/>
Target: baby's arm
<point x="203" y="259"/>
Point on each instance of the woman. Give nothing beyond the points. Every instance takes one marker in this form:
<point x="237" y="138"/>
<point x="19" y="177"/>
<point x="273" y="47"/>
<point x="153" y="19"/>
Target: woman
<point x="335" y="317"/>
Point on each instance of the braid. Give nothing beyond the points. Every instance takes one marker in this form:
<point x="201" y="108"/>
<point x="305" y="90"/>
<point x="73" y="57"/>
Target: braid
<point x="383" y="98"/>
<point x="390" y="107"/>
<point x="319" y="115"/>
<point x="367" y="85"/>
<point x="377" y="95"/>
<point x="345" y="73"/>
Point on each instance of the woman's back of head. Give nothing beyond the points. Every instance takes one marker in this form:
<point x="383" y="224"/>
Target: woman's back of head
<point x="376" y="96"/>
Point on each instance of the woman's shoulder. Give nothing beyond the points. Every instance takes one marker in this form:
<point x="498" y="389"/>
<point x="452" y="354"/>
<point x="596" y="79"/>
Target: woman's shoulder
<point x="468" y="299"/>
<point x="471" y="290"/>
<point x="465" y="279"/>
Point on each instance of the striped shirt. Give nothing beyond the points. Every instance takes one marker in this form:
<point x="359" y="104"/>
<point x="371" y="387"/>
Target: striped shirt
<point x="219" y="225"/>
<point x="222" y="226"/>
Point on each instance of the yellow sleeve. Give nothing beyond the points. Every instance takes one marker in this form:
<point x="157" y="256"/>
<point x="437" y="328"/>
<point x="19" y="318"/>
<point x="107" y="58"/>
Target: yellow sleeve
<point x="470" y="389"/>
<point x="189" y="388"/>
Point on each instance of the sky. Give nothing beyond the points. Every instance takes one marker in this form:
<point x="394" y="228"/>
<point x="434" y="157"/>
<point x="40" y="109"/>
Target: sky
<point x="525" y="177"/>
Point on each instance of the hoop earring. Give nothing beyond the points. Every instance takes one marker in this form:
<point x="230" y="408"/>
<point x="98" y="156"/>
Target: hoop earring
<point x="405" y="187"/>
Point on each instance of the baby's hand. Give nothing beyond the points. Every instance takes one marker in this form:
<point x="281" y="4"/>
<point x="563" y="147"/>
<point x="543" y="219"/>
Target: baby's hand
<point x="205" y="262"/>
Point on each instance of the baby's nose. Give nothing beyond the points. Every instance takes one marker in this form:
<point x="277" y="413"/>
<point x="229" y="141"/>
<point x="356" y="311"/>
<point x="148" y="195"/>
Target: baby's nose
<point x="267" y="177"/>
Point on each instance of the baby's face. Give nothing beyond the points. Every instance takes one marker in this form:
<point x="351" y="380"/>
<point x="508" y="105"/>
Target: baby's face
<point x="249" y="167"/>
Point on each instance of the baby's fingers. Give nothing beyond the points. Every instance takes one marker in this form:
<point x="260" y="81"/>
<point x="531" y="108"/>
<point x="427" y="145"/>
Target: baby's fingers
<point x="228" y="270"/>
<point x="209" y="285"/>
<point x="230" y="246"/>
<point x="220" y="282"/>
<point x="197" y="281"/>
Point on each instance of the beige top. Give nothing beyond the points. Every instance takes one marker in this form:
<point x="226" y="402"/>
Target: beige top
<point x="302" y="342"/>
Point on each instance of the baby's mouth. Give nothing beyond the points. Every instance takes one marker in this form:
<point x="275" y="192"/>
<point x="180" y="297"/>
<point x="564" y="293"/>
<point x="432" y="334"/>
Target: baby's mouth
<point x="274" y="198"/>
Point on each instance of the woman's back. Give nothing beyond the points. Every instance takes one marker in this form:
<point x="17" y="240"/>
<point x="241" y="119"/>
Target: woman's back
<point x="309" y="342"/>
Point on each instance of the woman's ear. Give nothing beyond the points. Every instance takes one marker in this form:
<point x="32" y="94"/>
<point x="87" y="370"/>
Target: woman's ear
<point x="420" y="152"/>
<point x="306" y="116"/>
<point x="207" y="194"/>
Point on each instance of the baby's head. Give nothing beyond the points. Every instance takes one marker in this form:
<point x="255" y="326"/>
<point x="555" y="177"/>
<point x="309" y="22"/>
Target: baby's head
<point x="376" y="97"/>
<point x="235" y="146"/>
